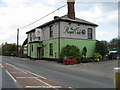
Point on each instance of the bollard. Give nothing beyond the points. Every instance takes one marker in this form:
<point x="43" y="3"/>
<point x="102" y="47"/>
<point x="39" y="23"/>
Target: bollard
<point x="117" y="78"/>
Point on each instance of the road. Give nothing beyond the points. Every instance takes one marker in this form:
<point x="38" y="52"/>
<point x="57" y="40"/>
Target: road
<point x="90" y="75"/>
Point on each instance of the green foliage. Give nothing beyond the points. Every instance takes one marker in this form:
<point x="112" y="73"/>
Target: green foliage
<point x="84" y="52"/>
<point x="71" y="52"/>
<point x="101" y="47"/>
<point x="9" y="50"/>
<point x="97" y="57"/>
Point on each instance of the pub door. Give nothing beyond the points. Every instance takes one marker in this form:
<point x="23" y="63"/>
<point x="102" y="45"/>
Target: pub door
<point x="39" y="52"/>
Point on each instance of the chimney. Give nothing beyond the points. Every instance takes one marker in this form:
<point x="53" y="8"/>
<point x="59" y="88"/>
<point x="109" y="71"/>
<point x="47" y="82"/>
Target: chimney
<point x="71" y="13"/>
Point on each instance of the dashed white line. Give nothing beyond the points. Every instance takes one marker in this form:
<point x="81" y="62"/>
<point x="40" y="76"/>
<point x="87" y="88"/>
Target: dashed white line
<point x="19" y="72"/>
<point x="42" y="81"/>
<point x="45" y="83"/>
<point x="43" y="86"/>
<point x="11" y="76"/>
<point x="22" y="70"/>
<point x="26" y="77"/>
<point x="13" y="66"/>
<point x="1" y="65"/>
<point x="35" y="74"/>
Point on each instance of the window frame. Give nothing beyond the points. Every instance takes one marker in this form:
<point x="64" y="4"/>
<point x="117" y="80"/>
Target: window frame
<point x="51" y="49"/>
<point x="51" y="31"/>
<point x="90" y="33"/>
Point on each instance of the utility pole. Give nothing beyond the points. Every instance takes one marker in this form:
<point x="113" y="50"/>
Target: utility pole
<point x="17" y="41"/>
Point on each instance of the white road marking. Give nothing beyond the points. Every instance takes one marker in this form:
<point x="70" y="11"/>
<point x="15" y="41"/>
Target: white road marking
<point x="45" y="83"/>
<point x="43" y="86"/>
<point x="11" y="76"/>
<point x="13" y="66"/>
<point x="35" y="74"/>
<point x="1" y="65"/>
<point x="22" y="70"/>
<point x="17" y="68"/>
<point x="19" y="72"/>
<point x="42" y="81"/>
<point x="70" y="87"/>
<point x="25" y="77"/>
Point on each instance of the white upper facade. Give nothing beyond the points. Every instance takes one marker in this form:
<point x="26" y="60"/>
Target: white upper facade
<point x="63" y="29"/>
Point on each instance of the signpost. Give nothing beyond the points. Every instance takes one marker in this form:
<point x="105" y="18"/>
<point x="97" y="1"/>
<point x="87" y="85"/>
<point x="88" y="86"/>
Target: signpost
<point x="17" y="41"/>
<point x="117" y="78"/>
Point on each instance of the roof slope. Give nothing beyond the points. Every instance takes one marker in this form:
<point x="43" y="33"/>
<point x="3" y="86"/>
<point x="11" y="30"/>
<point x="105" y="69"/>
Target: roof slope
<point x="65" y="18"/>
<point x="78" y="20"/>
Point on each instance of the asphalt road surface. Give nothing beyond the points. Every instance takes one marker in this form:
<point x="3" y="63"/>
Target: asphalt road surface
<point x="89" y="75"/>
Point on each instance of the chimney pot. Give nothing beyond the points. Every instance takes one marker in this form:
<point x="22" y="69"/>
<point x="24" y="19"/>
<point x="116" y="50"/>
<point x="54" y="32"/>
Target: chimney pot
<point x="71" y="13"/>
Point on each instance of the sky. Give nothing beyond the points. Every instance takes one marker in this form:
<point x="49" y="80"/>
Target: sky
<point x="16" y="14"/>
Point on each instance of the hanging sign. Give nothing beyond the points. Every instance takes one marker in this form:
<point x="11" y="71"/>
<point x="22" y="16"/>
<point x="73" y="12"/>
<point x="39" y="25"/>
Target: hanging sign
<point x="37" y="32"/>
<point x="74" y="30"/>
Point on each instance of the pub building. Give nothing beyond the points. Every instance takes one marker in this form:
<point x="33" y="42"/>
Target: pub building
<point x="46" y="41"/>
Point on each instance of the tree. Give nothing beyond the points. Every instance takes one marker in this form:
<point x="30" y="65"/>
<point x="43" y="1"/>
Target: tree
<point x="9" y="49"/>
<point x="101" y="47"/>
<point x="115" y="43"/>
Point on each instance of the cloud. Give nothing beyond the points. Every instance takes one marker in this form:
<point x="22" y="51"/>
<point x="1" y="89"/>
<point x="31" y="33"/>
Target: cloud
<point x="98" y="13"/>
<point x="92" y="14"/>
<point x="18" y="13"/>
<point x="14" y="3"/>
<point x="105" y="35"/>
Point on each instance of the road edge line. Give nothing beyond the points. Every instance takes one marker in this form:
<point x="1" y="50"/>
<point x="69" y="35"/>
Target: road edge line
<point x="34" y="74"/>
<point x="11" y="76"/>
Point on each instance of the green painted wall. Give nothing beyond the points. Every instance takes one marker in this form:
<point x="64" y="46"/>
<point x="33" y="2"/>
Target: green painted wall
<point x="47" y="48"/>
<point x="33" y="54"/>
<point x="89" y="44"/>
<point x="28" y="46"/>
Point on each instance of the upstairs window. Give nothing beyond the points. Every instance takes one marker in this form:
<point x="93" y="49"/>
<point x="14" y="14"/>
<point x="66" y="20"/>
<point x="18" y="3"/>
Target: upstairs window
<point x="30" y="36"/>
<point x="51" y="49"/>
<point x="51" y="31"/>
<point x="89" y="33"/>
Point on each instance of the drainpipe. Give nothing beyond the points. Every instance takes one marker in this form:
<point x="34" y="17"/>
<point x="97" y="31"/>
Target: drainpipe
<point x="59" y="40"/>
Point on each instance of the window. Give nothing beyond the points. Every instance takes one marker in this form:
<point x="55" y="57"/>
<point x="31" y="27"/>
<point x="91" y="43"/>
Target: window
<point x="89" y="33"/>
<point x="51" y="31"/>
<point x="51" y="49"/>
<point x="38" y="38"/>
<point x="30" y="36"/>
<point x="32" y="48"/>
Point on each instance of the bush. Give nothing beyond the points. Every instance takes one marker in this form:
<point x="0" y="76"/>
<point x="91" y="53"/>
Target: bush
<point x="97" y="57"/>
<point x="71" y="52"/>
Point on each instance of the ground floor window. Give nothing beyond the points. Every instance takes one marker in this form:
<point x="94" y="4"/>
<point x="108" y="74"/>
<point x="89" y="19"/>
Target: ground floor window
<point x="51" y="49"/>
<point x="43" y="51"/>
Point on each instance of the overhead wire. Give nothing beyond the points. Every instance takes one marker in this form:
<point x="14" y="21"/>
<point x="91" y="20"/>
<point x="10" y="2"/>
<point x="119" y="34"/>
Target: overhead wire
<point x="42" y="17"/>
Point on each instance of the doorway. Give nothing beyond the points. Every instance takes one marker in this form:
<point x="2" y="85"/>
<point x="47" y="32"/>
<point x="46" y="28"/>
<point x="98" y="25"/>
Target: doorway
<point x="39" y="52"/>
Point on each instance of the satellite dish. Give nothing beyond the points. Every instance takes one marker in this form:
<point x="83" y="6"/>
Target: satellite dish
<point x="37" y="32"/>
